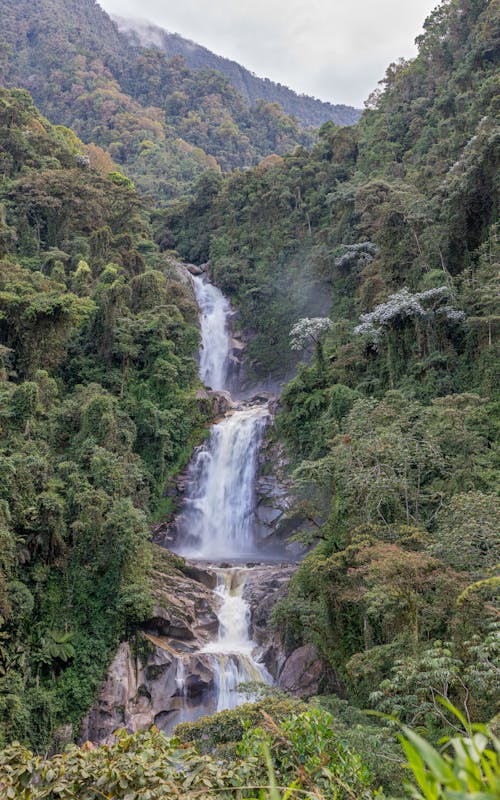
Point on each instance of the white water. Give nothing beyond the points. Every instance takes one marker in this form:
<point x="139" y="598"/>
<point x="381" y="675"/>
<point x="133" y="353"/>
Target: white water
<point x="232" y="651"/>
<point x="215" y="339"/>
<point x="218" y="516"/>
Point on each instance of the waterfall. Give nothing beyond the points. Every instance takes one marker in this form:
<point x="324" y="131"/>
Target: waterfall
<point x="180" y="678"/>
<point x="215" y="340"/>
<point x="231" y="653"/>
<point x="217" y="519"/>
<point x="218" y="516"/>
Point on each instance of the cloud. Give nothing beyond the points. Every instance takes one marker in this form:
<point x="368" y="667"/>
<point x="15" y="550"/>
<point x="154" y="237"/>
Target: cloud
<point x="332" y="49"/>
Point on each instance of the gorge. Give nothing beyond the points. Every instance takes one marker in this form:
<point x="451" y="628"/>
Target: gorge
<point x="204" y="654"/>
<point x="172" y="533"/>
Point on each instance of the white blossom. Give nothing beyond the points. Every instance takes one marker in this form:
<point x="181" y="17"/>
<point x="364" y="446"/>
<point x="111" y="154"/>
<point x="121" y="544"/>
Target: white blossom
<point x="356" y="255"/>
<point x="367" y="329"/>
<point x="308" y="329"/>
<point x="407" y="305"/>
<point x="452" y="314"/>
<point x="438" y="293"/>
<point x="398" y="306"/>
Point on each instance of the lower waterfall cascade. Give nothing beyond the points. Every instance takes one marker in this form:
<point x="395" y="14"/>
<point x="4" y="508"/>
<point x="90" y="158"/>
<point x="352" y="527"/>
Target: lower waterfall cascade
<point x="231" y="653"/>
<point x="217" y="524"/>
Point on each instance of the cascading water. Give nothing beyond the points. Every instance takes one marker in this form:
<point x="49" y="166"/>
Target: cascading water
<point x="231" y="653"/>
<point x="215" y="340"/>
<point x="217" y="522"/>
<point x="218" y="515"/>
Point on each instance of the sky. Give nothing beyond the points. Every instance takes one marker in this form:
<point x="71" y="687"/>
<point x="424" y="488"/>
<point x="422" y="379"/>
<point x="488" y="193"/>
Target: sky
<point x="336" y="50"/>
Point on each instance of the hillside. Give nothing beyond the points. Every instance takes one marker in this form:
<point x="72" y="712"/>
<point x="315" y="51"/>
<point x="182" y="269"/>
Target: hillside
<point x="309" y="111"/>
<point x="162" y="122"/>
<point x="365" y="263"/>
<point x="405" y="198"/>
<point x="97" y="383"/>
<point x="388" y="234"/>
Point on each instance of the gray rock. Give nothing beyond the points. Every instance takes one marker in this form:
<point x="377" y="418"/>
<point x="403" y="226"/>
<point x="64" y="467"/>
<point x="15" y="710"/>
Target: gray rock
<point x="264" y="587"/>
<point x="222" y="402"/>
<point x="134" y="694"/>
<point x="201" y="575"/>
<point x="194" y="269"/>
<point x="302" y="672"/>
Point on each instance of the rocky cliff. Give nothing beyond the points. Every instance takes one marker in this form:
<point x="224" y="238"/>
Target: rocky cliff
<point x="161" y="671"/>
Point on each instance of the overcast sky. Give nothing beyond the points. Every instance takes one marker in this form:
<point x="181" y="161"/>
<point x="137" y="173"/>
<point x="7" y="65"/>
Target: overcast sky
<point x="336" y="50"/>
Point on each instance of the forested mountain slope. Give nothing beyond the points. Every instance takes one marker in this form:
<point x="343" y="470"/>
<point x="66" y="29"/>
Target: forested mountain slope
<point x="161" y="121"/>
<point x="308" y="110"/>
<point x="392" y="426"/>
<point x="389" y="231"/>
<point x="97" y="386"/>
<point x="416" y="180"/>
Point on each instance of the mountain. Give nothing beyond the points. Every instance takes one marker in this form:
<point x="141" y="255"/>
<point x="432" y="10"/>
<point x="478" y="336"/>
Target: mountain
<point x="162" y="122"/>
<point x="416" y="178"/>
<point x="374" y="253"/>
<point x="308" y="110"/>
<point x="391" y="422"/>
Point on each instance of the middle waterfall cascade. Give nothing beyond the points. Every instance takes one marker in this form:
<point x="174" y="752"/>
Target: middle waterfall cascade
<point x="217" y="521"/>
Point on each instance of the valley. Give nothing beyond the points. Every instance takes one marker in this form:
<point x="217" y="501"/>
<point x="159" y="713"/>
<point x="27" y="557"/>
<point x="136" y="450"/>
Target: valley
<point x="249" y="512"/>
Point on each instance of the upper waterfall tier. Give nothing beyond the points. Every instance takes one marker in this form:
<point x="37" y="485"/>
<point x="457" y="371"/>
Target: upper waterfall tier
<point x="215" y="339"/>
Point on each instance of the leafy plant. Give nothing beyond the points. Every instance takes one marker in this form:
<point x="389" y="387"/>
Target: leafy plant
<point x="468" y="766"/>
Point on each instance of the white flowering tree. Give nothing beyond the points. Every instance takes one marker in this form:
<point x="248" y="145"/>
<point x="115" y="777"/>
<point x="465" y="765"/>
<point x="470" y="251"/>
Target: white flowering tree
<point x="407" y="319"/>
<point x="308" y="332"/>
<point x="427" y="306"/>
<point x="355" y="257"/>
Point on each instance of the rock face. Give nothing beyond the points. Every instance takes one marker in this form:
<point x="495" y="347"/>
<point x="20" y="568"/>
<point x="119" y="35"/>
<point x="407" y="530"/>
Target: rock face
<point x="264" y="586"/>
<point x="302" y="672"/>
<point x="136" y="695"/>
<point x="194" y="269"/>
<point x="179" y="270"/>
<point x="222" y="402"/>
<point x="141" y="690"/>
<point x="275" y="500"/>
<point x="165" y="672"/>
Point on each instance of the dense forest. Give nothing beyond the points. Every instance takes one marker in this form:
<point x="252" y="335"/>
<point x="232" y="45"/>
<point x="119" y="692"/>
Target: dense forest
<point x="164" y="123"/>
<point x="308" y="110"/>
<point x="365" y="262"/>
<point x="391" y="423"/>
<point x="98" y="381"/>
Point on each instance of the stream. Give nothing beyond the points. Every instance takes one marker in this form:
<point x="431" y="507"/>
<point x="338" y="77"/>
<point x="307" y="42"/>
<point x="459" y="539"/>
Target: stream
<point x="218" y="521"/>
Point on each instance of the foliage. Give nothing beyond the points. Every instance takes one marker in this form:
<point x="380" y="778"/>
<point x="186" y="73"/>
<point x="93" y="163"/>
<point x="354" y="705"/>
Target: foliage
<point x="308" y="110"/>
<point x="306" y="755"/>
<point x="469" y="767"/>
<point x="391" y="230"/>
<point x="226" y="729"/>
<point x="97" y="410"/>
<point x="162" y="123"/>
<point x="393" y="223"/>
<point x="306" y="330"/>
